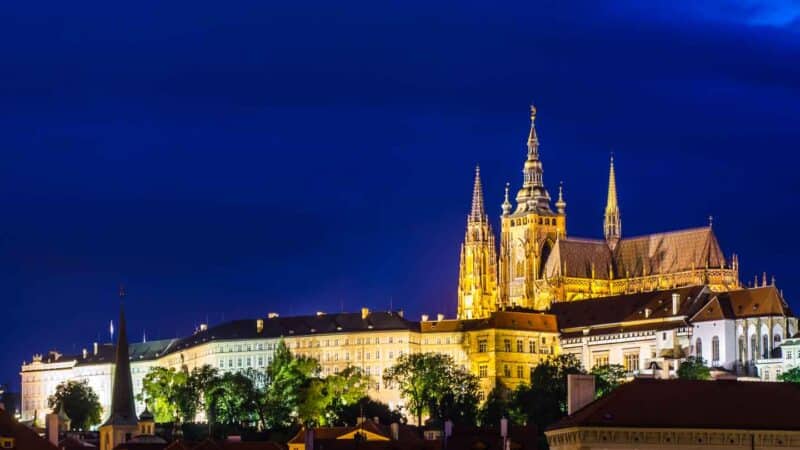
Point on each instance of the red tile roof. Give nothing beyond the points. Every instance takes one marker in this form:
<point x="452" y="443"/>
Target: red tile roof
<point x="24" y="437"/>
<point x="721" y="404"/>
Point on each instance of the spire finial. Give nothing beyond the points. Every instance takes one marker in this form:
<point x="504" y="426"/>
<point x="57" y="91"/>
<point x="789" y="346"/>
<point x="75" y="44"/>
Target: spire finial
<point x="533" y="112"/>
<point x="506" y="203"/>
<point x="478" y="212"/>
<point x="710" y="221"/>
<point x="612" y="226"/>
<point x="561" y="205"/>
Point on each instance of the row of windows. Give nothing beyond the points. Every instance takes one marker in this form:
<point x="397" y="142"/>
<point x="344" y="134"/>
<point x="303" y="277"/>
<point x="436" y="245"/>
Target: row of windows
<point x="483" y="371"/>
<point x="483" y="346"/>
<point x="542" y="221"/>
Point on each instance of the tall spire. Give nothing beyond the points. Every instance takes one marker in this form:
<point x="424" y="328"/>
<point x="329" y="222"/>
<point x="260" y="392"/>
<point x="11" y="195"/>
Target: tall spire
<point x="478" y="212"/>
<point x="612" y="225"/>
<point x="532" y="195"/>
<point x="123" y="411"/>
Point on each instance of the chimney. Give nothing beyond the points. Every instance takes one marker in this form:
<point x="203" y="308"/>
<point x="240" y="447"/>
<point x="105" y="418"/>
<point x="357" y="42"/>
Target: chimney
<point x="440" y="317"/>
<point x="272" y="315"/>
<point x="676" y="303"/>
<point x="364" y="313"/>
<point x="504" y="427"/>
<point x="85" y="353"/>
<point x="51" y="424"/>
<point x="580" y="392"/>
<point x="203" y="326"/>
<point x="395" y="427"/>
<point x="424" y="317"/>
<point x="647" y="312"/>
<point x="259" y="325"/>
<point x="309" y="439"/>
<point x="95" y="348"/>
<point x="377" y="420"/>
<point x="400" y="313"/>
<point x="360" y="420"/>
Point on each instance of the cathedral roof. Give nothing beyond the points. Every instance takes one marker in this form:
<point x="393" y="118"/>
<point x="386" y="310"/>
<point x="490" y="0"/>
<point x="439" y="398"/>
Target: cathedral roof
<point x="615" y="310"/>
<point x="691" y="404"/>
<point x="576" y="257"/>
<point x="653" y="254"/>
<point x="670" y="252"/>
<point x="751" y="302"/>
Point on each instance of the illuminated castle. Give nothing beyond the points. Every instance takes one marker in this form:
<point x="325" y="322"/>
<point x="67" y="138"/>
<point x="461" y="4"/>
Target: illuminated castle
<point x="539" y="264"/>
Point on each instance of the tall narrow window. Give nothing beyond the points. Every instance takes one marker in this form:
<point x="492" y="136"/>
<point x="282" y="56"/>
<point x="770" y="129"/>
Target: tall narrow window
<point x="715" y="351"/>
<point x="698" y="348"/>
<point x="765" y="346"/>
<point x="506" y="345"/>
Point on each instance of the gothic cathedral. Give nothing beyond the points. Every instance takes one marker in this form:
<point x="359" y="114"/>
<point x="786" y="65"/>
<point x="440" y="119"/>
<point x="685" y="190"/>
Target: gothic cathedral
<point x="539" y="264"/>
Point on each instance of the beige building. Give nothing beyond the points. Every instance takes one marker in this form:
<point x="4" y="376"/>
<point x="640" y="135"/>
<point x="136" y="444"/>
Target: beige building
<point x="502" y="348"/>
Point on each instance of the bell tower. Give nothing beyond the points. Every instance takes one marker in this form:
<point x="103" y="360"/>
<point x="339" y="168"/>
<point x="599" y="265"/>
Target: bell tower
<point x="122" y="424"/>
<point x="477" y="277"/>
<point x="612" y="225"/>
<point x="529" y="233"/>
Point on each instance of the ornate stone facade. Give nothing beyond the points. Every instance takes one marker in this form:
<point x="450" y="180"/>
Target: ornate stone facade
<point x="539" y="264"/>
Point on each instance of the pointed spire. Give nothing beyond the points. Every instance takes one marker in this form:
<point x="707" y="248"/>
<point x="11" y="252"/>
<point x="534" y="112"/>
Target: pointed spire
<point x="561" y="205"/>
<point x="612" y="225"/>
<point x="123" y="411"/>
<point x="478" y="212"/>
<point x="506" y="204"/>
<point x="532" y="195"/>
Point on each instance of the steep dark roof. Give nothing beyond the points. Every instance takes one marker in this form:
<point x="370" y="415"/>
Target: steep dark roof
<point x="299" y="326"/>
<point x="626" y="308"/>
<point x="649" y="403"/>
<point x="750" y="302"/>
<point x="123" y="409"/>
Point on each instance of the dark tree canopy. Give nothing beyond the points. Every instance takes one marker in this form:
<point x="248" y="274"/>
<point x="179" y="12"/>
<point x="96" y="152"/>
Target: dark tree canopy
<point x="80" y="404"/>
<point x="694" y="368"/>
<point x="790" y="376"/>
<point x="607" y="378"/>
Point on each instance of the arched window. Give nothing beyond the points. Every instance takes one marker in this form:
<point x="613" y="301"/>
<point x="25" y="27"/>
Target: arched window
<point x="765" y="346"/>
<point x="715" y="351"/>
<point x="519" y="271"/>
<point x="776" y="340"/>
<point x="753" y="349"/>
<point x="742" y="349"/>
<point x="698" y="348"/>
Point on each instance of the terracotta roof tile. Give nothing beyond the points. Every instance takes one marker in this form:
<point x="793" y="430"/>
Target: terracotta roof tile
<point x="721" y="404"/>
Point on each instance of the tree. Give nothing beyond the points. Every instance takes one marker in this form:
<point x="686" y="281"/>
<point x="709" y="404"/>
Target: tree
<point x="495" y="407"/>
<point x="80" y="404"/>
<point x="322" y="398"/>
<point x="287" y="378"/>
<point x="544" y="401"/>
<point x="233" y="399"/>
<point x="432" y="383"/>
<point x="694" y="368"/>
<point x="790" y="376"/>
<point x="348" y="415"/>
<point x="607" y="378"/>
<point x="169" y="394"/>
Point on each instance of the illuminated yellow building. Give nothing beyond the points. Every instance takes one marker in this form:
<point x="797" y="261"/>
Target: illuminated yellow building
<point x="540" y="264"/>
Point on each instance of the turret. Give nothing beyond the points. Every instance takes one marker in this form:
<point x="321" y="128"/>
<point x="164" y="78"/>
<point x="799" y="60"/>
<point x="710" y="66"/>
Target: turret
<point x="533" y="196"/>
<point x="612" y="225"/>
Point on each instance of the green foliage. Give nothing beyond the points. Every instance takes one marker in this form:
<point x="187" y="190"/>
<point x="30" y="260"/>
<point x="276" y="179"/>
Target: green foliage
<point x="80" y="404"/>
<point x="544" y="401"/>
<point x="694" y="369"/>
<point x="177" y="394"/>
<point x="233" y="399"/>
<point x="791" y="376"/>
<point x="322" y="398"/>
<point x="607" y="378"/>
<point x="495" y="407"/>
<point x="288" y="379"/>
<point x="348" y="415"/>
<point x="432" y="383"/>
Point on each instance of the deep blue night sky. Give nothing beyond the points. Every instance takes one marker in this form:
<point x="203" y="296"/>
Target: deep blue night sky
<point x="227" y="159"/>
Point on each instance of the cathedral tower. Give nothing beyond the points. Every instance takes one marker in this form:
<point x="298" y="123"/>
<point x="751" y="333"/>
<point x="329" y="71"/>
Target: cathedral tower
<point x="612" y="225"/>
<point x="477" y="280"/>
<point x="528" y="234"/>
<point x="122" y="424"/>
